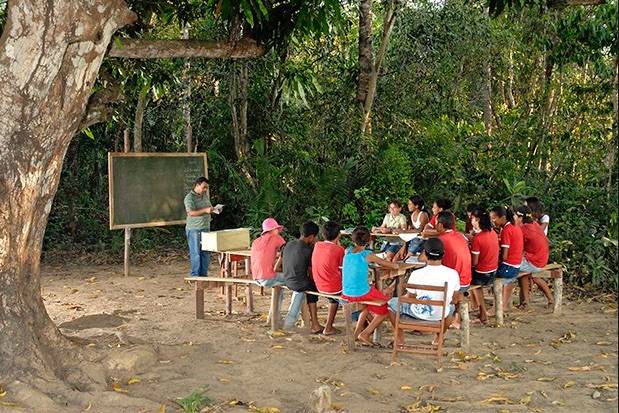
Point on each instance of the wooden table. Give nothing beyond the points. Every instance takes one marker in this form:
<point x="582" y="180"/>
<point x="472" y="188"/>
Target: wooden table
<point x="228" y="257"/>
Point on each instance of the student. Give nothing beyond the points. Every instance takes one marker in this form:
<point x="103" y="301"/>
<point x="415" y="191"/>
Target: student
<point x="265" y="251"/>
<point x="393" y="221"/>
<point x="356" y="287"/>
<point x="536" y="252"/>
<point x="484" y="258"/>
<point x="419" y="218"/>
<point x="457" y="253"/>
<point x="510" y="258"/>
<point x="434" y="273"/>
<point x="469" y="231"/>
<point x="439" y="205"/>
<point x="537" y="213"/>
<point x="297" y="270"/>
<point x="327" y="261"/>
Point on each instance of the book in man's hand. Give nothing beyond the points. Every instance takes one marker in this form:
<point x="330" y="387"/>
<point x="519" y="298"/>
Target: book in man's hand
<point x="217" y="208"/>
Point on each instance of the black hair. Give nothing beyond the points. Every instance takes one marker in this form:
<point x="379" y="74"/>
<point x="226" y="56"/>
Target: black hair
<point x="524" y="211"/>
<point x="535" y="204"/>
<point x="485" y="224"/>
<point x="417" y="200"/>
<point x="472" y="207"/>
<point x="330" y="230"/>
<point x="446" y="218"/>
<point x="200" y="180"/>
<point x="443" y="203"/>
<point x="309" y="228"/>
<point x="361" y="236"/>
<point x="396" y="203"/>
<point x="502" y="211"/>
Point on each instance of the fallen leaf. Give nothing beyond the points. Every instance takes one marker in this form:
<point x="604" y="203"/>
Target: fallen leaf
<point x="588" y="368"/>
<point x="373" y="391"/>
<point x="499" y="400"/>
<point x="119" y="389"/>
<point x="225" y="362"/>
<point x="133" y="381"/>
<point x="224" y="380"/>
<point x="568" y="384"/>
<point x="277" y="347"/>
<point x="3" y="394"/>
<point x="277" y="334"/>
<point x="406" y="388"/>
<point x="546" y="379"/>
<point x="87" y="409"/>
<point x="162" y="408"/>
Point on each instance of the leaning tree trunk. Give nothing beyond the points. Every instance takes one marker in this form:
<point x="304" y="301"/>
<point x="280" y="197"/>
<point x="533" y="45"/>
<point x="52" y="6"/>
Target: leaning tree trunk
<point x="50" y="53"/>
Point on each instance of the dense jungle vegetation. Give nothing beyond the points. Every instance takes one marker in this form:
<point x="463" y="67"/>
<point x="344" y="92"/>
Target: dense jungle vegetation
<point x="468" y="106"/>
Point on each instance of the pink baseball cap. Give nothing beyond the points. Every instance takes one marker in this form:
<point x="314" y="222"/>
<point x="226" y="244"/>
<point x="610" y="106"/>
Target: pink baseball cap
<point x="270" y="224"/>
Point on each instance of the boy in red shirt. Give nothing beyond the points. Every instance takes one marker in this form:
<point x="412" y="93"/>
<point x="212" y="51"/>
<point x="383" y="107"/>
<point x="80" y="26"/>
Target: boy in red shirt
<point x="327" y="262"/>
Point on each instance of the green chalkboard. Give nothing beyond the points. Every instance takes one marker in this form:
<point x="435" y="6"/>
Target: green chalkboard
<point x="148" y="189"/>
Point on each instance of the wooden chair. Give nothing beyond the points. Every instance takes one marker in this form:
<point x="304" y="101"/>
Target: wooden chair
<point x="404" y="322"/>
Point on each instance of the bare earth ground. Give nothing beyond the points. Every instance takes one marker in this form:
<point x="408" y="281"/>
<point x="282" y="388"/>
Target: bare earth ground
<point x="537" y="362"/>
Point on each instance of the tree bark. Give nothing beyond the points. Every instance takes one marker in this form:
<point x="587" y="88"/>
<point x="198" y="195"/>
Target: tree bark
<point x="366" y="51"/>
<point x="50" y="54"/>
<point x="244" y="48"/>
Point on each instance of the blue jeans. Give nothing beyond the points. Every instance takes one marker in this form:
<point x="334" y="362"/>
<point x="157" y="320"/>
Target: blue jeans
<point x="272" y="282"/>
<point x="199" y="259"/>
<point x="296" y="302"/>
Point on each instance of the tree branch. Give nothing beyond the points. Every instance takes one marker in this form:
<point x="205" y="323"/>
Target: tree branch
<point x="157" y="49"/>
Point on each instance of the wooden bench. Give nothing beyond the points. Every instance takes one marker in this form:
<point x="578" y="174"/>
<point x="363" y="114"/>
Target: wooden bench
<point x="228" y="283"/>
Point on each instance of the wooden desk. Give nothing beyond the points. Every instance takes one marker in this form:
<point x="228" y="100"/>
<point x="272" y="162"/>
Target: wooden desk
<point x="228" y="257"/>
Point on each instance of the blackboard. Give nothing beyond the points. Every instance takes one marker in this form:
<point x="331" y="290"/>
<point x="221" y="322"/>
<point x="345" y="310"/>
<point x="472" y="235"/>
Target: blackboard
<point x="148" y="189"/>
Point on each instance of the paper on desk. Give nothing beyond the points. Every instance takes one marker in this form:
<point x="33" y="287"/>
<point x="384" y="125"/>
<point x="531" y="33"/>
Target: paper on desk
<point x="407" y="236"/>
<point x="217" y="208"/>
<point x="413" y="259"/>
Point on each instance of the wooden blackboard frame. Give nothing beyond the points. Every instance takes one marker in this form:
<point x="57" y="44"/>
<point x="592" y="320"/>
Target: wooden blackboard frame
<point x="147" y="189"/>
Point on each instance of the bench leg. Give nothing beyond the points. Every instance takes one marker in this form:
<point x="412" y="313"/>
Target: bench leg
<point x="250" y="299"/>
<point x="498" y="300"/>
<point x="199" y="300"/>
<point x="350" y="329"/>
<point x="558" y="291"/>
<point x="274" y="311"/>
<point x="465" y="323"/>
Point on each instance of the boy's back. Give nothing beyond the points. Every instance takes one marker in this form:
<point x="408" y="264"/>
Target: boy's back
<point x="297" y="259"/>
<point x="327" y="262"/>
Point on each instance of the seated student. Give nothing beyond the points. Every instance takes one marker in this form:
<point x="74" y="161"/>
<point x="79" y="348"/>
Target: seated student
<point x="537" y="213"/>
<point x="356" y="287"/>
<point x="536" y="253"/>
<point x="457" y="253"/>
<point x="484" y="258"/>
<point x="434" y="273"/>
<point x="439" y="205"/>
<point x="297" y="270"/>
<point x="418" y="220"/>
<point x="327" y="261"/>
<point x="265" y="251"/>
<point x="469" y="231"/>
<point x="393" y="221"/>
<point x="510" y="256"/>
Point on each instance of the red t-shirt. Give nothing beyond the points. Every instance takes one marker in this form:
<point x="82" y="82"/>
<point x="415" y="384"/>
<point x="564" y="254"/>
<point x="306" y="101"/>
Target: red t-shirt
<point x="511" y="238"/>
<point x="327" y="262"/>
<point x="263" y="253"/>
<point x="432" y="222"/>
<point x="457" y="255"/>
<point x="486" y="245"/>
<point x="536" y="249"/>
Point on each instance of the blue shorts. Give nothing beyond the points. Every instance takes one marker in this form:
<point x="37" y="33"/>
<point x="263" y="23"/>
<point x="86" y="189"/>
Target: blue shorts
<point x="508" y="272"/>
<point x="415" y="246"/>
<point x="389" y="247"/>
<point x="526" y="266"/>
<point x="483" y="278"/>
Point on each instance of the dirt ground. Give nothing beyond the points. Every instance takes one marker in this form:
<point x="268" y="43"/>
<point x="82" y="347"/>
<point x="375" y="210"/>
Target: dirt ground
<point x="537" y="361"/>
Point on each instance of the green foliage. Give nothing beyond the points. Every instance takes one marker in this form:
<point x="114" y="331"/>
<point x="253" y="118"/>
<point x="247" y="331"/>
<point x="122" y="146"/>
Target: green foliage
<point x="196" y="401"/>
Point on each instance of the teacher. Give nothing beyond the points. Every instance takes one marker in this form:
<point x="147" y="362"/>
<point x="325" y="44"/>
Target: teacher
<point x="199" y="210"/>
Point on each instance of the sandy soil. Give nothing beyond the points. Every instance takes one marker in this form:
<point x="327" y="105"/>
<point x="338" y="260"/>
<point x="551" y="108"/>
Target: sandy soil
<point x="537" y="361"/>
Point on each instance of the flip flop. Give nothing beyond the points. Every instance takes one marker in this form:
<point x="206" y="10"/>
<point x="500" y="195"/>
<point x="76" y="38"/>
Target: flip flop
<point x="367" y="343"/>
<point x="334" y="332"/>
<point x="317" y="332"/>
<point x="479" y="321"/>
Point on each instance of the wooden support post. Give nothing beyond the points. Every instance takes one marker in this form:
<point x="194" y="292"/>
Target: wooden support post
<point x="465" y="323"/>
<point x="557" y="278"/>
<point x="274" y="311"/>
<point x="498" y="300"/>
<point x="127" y="147"/>
<point x="350" y="329"/>
<point x="199" y="300"/>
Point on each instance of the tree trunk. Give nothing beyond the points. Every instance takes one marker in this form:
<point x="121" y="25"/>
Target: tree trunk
<point x="50" y="54"/>
<point x="366" y="51"/>
<point x="139" y="118"/>
<point x="158" y="49"/>
<point x="187" y="98"/>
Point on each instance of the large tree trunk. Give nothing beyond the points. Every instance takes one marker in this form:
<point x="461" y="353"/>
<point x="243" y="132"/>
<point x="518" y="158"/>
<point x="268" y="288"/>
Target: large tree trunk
<point x="50" y="53"/>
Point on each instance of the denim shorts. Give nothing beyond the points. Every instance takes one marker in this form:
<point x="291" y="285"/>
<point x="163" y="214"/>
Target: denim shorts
<point x="508" y="272"/>
<point x="526" y="266"/>
<point x="416" y="245"/>
<point x="389" y="247"/>
<point x="483" y="278"/>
